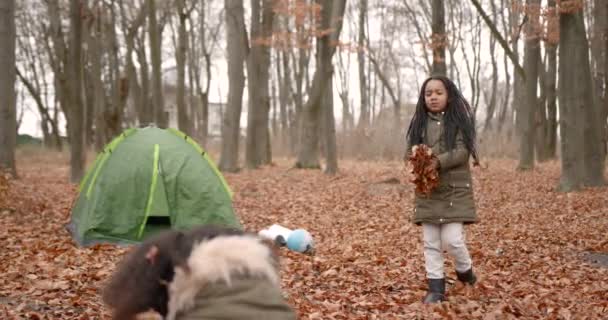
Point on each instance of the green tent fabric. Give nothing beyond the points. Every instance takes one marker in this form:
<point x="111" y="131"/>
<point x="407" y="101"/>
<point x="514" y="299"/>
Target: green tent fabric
<point x="148" y="175"/>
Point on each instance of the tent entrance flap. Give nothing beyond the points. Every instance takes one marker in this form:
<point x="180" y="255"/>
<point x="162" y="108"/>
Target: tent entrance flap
<point x="157" y="205"/>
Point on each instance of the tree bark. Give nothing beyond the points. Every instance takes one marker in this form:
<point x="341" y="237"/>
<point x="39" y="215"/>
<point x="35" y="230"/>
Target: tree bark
<point x="530" y="105"/>
<point x="76" y="120"/>
<point x="236" y="48"/>
<point x="258" y="72"/>
<point x="551" y="83"/>
<point x="155" y="38"/>
<point x="8" y="115"/>
<point x="599" y="68"/>
<point x="361" y="41"/>
<point x="439" y="38"/>
<point x="183" y="122"/>
<point x="146" y="109"/>
<point x="329" y="134"/>
<point x="492" y="100"/>
<point x="579" y="161"/>
<point x="331" y="19"/>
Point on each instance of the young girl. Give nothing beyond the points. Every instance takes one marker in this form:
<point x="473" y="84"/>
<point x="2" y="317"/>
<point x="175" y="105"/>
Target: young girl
<point x="444" y="122"/>
<point x="206" y="273"/>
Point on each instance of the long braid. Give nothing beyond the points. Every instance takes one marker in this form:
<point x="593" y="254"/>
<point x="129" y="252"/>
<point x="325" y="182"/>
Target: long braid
<point x="458" y="117"/>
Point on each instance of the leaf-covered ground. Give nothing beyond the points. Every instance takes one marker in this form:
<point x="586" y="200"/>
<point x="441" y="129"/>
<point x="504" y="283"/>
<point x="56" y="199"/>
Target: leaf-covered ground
<point x="538" y="253"/>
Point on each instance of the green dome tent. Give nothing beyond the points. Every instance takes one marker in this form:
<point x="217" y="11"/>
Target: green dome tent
<point x="145" y="180"/>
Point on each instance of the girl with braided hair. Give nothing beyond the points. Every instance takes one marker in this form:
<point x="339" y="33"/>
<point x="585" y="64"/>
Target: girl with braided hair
<point x="444" y="122"/>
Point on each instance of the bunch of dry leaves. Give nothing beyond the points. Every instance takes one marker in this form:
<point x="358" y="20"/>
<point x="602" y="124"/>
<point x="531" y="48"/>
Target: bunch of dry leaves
<point x="425" y="176"/>
<point x="538" y="253"/>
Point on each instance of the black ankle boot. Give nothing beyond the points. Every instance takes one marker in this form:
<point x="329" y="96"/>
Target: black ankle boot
<point x="436" y="291"/>
<point x="467" y="277"/>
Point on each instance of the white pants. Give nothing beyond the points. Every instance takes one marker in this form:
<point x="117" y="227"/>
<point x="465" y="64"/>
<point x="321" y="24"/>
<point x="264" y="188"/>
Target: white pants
<point x="439" y="237"/>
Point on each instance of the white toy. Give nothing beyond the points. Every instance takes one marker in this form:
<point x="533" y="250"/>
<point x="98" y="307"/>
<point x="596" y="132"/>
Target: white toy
<point x="276" y="233"/>
<point x="298" y="240"/>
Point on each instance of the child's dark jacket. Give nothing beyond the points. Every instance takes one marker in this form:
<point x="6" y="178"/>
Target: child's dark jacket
<point x="452" y="200"/>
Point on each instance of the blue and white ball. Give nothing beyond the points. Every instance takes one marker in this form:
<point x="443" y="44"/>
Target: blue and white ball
<point x="300" y="240"/>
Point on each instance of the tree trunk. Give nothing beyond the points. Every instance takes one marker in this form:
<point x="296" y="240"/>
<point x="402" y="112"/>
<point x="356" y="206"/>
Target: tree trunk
<point x="204" y="95"/>
<point x="492" y="100"/>
<point x="183" y="122"/>
<point x="329" y="134"/>
<point x="76" y="120"/>
<point x="438" y="38"/>
<point x="530" y="105"/>
<point x="119" y="85"/>
<point x="258" y="72"/>
<point x="364" y="104"/>
<point x="155" y="36"/>
<point x="518" y="79"/>
<point x="8" y="115"/>
<point x="145" y="112"/>
<point x="576" y="99"/>
<point x="551" y="82"/>
<point x="98" y="95"/>
<point x="236" y="48"/>
<point x="599" y="67"/>
<point x="283" y="77"/>
<point x="541" y="118"/>
<point x="331" y="18"/>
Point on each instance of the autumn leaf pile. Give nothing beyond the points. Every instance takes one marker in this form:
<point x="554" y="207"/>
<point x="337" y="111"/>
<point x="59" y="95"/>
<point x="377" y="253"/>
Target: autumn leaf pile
<point x="425" y="178"/>
<point x="532" y="249"/>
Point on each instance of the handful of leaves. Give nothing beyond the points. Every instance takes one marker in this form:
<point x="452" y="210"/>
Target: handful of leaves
<point x="426" y="175"/>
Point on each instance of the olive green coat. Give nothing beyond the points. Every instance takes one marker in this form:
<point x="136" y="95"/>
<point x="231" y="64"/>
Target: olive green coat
<point x="452" y="200"/>
<point x="243" y="299"/>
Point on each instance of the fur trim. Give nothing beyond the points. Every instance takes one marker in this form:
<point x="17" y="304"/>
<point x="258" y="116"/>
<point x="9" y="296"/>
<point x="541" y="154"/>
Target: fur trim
<point x="218" y="260"/>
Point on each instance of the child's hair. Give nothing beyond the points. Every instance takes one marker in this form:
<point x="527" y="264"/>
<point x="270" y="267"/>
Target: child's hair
<point x="141" y="280"/>
<point x="458" y="117"/>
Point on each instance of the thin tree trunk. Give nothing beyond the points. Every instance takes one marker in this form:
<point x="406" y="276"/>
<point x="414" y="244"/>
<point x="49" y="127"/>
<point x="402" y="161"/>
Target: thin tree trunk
<point x="8" y="115"/>
<point x="331" y="153"/>
<point x="439" y="38"/>
<point x="258" y="71"/>
<point x="541" y="118"/>
<point x="155" y="36"/>
<point x="363" y="87"/>
<point x="236" y="48"/>
<point x="98" y="95"/>
<point x="526" y="116"/>
<point x="183" y="122"/>
<point x="492" y="100"/>
<point x="551" y="89"/>
<point x="76" y="121"/>
<point x="146" y="109"/>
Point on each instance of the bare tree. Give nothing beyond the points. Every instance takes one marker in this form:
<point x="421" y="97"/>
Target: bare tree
<point x="331" y="19"/>
<point x="530" y="105"/>
<point x="599" y="65"/>
<point x="363" y="87"/>
<point x="582" y="163"/>
<point x="551" y="81"/>
<point x="155" y="38"/>
<point x="236" y="48"/>
<point x="76" y="114"/>
<point x="438" y="38"/>
<point x="183" y="119"/>
<point x="8" y="117"/>
<point x="491" y="100"/>
<point x="258" y="148"/>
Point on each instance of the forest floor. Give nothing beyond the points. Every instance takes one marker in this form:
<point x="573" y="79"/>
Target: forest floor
<point x="539" y="254"/>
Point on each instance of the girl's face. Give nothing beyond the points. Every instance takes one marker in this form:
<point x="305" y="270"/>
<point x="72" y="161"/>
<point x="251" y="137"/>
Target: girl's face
<point x="435" y="96"/>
